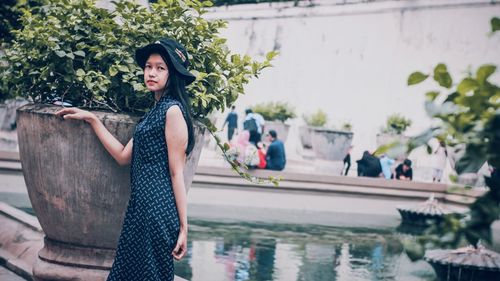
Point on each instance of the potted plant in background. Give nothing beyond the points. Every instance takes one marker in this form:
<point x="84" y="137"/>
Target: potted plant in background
<point x="72" y="52"/>
<point x="317" y="119"/>
<point x="392" y="132"/>
<point x="276" y="114"/>
<point x="347" y="126"/>
<point x="330" y="146"/>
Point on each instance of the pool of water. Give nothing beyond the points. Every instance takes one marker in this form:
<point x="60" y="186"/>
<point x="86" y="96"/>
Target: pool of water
<point x="285" y="252"/>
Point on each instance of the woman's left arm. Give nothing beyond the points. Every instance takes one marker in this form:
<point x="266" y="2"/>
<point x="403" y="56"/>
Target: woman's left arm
<point x="176" y="135"/>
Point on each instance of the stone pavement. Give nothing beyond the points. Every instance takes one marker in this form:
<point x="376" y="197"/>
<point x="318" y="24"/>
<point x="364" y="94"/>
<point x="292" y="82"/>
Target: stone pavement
<point x="7" y="275"/>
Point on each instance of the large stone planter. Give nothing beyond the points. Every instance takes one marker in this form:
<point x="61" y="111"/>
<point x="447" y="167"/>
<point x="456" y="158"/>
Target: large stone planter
<point x="281" y="129"/>
<point x="305" y="133"/>
<point x="330" y="147"/>
<point x="77" y="190"/>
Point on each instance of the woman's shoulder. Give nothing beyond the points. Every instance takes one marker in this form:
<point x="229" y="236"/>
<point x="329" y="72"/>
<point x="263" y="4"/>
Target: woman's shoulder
<point x="169" y="102"/>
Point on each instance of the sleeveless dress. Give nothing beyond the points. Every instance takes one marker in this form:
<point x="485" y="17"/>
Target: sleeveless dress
<point x="151" y="225"/>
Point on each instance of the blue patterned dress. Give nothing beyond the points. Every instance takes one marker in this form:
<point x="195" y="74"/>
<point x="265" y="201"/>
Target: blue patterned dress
<point x="151" y="224"/>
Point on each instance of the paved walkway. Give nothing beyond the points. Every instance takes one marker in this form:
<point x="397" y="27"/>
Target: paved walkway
<point x="7" y="275"/>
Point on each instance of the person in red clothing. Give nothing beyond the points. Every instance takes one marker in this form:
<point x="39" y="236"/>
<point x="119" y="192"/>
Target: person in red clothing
<point x="262" y="156"/>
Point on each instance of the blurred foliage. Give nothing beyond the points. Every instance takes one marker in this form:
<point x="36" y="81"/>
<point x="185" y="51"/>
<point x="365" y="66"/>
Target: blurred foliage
<point x="396" y="124"/>
<point x="10" y="13"/>
<point x="469" y="113"/>
<point x="272" y="111"/>
<point x="317" y="119"/>
<point x="346" y="126"/>
<point x="73" y="51"/>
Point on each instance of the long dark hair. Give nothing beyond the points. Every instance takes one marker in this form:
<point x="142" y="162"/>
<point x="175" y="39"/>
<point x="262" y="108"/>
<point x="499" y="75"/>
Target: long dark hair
<point x="176" y="88"/>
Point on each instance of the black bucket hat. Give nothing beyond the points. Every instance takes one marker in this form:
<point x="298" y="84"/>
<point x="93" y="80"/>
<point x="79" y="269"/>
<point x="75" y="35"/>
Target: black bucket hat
<point x="175" y="51"/>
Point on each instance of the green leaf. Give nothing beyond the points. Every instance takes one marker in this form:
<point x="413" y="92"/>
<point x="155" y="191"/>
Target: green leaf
<point x="113" y="71"/>
<point x="79" y="53"/>
<point x="123" y="68"/>
<point x="80" y="72"/>
<point x="424" y="137"/>
<point x="472" y="160"/>
<point x="393" y="150"/>
<point x="431" y="96"/>
<point x="414" y="250"/>
<point x="442" y="76"/>
<point x="467" y="85"/>
<point x="271" y="55"/>
<point x="60" y="53"/>
<point x="495" y="24"/>
<point x="445" y="108"/>
<point x="137" y="87"/>
<point x="416" y="77"/>
<point x="484" y="72"/>
<point x="70" y="55"/>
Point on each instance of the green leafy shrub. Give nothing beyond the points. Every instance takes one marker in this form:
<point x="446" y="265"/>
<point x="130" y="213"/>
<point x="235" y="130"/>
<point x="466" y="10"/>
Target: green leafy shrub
<point x="396" y="124"/>
<point x="10" y="13"/>
<point x="317" y="119"/>
<point x="75" y="51"/>
<point x="273" y="111"/>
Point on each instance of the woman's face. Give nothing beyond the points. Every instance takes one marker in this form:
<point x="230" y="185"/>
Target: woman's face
<point x="155" y="73"/>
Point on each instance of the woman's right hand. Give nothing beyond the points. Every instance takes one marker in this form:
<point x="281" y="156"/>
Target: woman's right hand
<point x="76" y="113"/>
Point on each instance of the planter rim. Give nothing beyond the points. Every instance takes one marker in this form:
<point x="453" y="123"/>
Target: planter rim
<point x="278" y="121"/>
<point x="390" y="134"/>
<point x="321" y="129"/>
<point x="40" y="108"/>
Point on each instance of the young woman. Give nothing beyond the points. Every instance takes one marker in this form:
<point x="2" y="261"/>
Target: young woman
<point x="155" y="225"/>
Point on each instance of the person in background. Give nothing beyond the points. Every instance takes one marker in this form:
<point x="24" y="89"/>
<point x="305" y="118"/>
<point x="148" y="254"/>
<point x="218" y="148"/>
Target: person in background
<point x="386" y="164"/>
<point x="254" y="123"/>
<point x="239" y="145"/>
<point x="347" y="162"/>
<point x="404" y="171"/>
<point x="275" y="156"/>
<point x="262" y="155"/>
<point x="232" y="123"/>
<point x="440" y="156"/>
<point x="369" y="166"/>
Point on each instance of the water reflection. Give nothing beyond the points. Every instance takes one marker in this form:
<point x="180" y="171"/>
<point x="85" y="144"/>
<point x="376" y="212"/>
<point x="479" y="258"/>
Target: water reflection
<point x="270" y="252"/>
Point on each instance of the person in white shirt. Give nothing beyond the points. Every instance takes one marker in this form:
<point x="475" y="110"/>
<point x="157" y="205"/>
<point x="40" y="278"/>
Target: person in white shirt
<point x="255" y="130"/>
<point x="440" y="156"/>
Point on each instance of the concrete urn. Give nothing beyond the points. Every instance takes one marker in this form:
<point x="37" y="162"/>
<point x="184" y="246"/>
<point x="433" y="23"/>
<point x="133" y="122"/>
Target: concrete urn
<point x="305" y="133"/>
<point x="330" y="147"/>
<point x="78" y="191"/>
<point x="329" y="144"/>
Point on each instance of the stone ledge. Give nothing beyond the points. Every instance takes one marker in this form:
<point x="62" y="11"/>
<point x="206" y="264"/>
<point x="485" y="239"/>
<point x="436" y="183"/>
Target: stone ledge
<point x="340" y="184"/>
<point x="7" y="275"/>
<point x="21" y="239"/>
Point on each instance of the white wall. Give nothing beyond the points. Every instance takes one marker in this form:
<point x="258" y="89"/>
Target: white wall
<point x="353" y="60"/>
